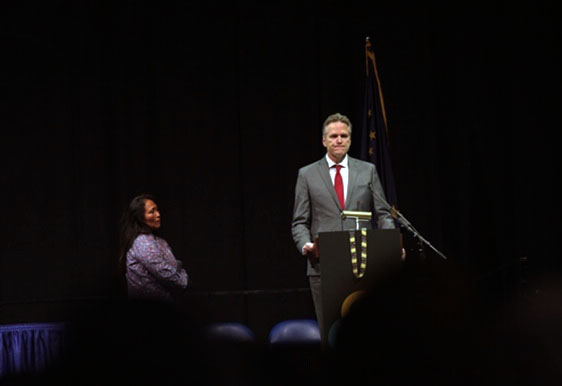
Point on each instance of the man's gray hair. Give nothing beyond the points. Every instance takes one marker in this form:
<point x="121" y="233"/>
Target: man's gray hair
<point x="337" y="117"/>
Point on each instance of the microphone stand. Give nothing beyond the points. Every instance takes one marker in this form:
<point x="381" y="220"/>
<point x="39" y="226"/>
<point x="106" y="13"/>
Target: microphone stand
<point x="402" y="220"/>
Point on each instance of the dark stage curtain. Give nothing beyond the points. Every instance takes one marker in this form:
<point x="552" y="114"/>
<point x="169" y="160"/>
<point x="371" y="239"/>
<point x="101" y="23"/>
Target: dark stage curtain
<point x="214" y="106"/>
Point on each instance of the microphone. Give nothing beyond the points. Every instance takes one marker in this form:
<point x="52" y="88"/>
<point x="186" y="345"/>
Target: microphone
<point x="393" y="211"/>
<point x="378" y="196"/>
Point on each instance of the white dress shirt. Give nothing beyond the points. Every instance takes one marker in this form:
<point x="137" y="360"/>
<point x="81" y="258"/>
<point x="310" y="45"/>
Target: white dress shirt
<point x="344" y="171"/>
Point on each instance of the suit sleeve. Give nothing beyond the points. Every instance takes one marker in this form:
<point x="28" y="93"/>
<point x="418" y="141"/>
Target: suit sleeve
<point x="382" y="210"/>
<point x="301" y="213"/>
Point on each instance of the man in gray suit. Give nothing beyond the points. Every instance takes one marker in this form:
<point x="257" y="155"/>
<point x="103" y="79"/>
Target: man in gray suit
<point x="318" y="205"/>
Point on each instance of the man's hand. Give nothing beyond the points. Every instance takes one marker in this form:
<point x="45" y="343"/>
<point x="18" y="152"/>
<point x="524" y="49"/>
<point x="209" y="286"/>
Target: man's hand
<point x="308" y="249"/>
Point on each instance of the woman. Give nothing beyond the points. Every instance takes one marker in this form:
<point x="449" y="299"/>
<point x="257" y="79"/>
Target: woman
<point x="151" y="270"/>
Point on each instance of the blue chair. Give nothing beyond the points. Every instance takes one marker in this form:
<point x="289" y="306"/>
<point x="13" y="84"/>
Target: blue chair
<point x="295" y="332"/>
<point x="230" y="331"/>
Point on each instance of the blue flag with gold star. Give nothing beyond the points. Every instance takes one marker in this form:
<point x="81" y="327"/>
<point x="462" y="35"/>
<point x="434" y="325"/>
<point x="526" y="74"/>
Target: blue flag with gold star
<point x="374" y="135"/>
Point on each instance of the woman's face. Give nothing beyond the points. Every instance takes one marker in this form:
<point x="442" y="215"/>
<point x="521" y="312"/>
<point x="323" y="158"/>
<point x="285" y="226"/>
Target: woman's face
<point x="151" y="214"/>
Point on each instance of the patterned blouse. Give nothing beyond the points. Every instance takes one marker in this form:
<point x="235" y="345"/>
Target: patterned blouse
<point x="152" y="270"/>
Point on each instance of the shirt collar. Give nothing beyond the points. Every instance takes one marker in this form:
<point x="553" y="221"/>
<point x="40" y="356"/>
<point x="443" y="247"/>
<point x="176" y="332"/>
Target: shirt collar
<point x="331" y="163"/>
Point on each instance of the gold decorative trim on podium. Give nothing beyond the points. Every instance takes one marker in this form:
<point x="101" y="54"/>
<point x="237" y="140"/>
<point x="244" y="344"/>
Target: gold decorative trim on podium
<point x="358" y="268"/>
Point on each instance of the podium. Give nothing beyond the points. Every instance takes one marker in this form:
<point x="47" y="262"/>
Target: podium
<point x="340" y="284"/>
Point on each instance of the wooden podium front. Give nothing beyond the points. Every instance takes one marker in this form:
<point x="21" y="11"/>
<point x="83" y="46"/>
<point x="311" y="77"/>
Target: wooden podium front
<point x="340" y="287"/>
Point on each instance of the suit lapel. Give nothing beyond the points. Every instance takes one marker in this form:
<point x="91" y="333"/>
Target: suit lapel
<point x="324" y="173"/>
<point x="351" y="177"/>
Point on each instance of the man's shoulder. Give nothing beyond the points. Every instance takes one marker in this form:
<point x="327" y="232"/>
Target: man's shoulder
<point x="357" y="163"/>
<point x="311" y="166"/>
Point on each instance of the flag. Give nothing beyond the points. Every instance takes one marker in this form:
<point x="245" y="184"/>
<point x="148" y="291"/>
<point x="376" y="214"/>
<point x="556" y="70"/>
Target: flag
<point x="374" y="135"/>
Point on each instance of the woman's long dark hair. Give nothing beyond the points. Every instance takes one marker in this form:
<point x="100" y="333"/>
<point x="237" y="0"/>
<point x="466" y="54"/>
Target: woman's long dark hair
<point x="132" y="225"/>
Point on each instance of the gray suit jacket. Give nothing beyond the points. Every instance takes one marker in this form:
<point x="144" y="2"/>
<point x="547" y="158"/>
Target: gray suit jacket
<point x="317" y="208"/>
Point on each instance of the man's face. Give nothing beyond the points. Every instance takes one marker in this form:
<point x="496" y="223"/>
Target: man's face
<point x="336" y="140"/>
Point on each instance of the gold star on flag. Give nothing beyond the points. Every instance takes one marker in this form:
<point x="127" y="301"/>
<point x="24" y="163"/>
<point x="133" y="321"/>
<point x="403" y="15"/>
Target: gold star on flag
<point x="372" y="135"/>
<point x="371" y="151"/>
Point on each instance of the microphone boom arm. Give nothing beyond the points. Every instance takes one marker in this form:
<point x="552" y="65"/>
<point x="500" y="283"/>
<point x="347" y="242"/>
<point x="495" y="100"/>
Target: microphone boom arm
<point x="402" y="220"/>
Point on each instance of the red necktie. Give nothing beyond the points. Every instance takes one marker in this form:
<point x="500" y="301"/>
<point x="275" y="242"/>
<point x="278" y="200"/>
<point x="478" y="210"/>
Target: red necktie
<point x="338" y="183"/>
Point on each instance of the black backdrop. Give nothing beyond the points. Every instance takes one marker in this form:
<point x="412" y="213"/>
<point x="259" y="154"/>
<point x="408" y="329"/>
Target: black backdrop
<point x="214" y="106"/>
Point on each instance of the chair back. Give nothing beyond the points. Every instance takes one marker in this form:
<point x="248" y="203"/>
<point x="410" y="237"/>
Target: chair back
<point x="295" y="331"/>
<point x="230" y="331"/>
